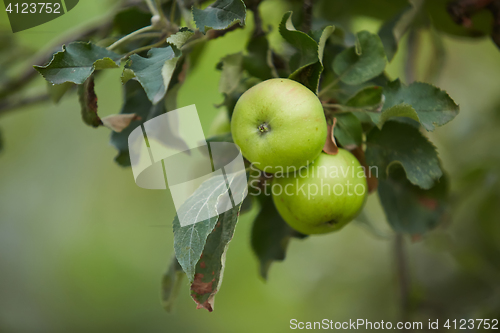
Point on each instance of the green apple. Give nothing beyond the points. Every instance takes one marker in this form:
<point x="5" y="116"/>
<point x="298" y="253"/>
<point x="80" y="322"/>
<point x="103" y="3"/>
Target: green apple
<point x="279" y="125"/>
<point x="323" y="197"/>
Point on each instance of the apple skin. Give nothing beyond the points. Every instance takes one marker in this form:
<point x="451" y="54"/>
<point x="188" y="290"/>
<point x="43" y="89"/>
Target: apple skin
<point x="279" y="123"/>
<point x="323" y="212"/>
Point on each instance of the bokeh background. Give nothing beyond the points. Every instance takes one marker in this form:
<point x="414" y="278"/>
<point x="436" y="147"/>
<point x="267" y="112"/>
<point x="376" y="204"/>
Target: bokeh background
<point x="83" y="249"/>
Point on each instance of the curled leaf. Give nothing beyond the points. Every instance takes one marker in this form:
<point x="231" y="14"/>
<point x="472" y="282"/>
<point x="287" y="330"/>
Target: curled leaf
<point x="154" y="72"/>
<point x="371" y="178"/>
<point x="88" y="103"/>
<point x="180" y="38"/>
<point x="118" y="122"/>
<point x="220" y="15"/>
<point x="331" y="145"/>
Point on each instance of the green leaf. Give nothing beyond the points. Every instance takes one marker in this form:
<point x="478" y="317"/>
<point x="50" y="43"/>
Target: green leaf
<point x="131" y="19"/>
<point x="270" y="235"/>
<point x="180" y="38"/>
<point x="210" y="268"/>
<point x="189" y="240"/>
<point x="370" y="100"/>
<point x="123" y="158"/>
<point x="127" y="75"/>
<point x="355" y="69"/>
<point x="57" y="91"/>
<point x="434" y="107"/>
<point x="175" y="85"/>
<point x="410" y="209"/>
<point x="220" y="15"/>
<point x="1" y="142"/>
<point x="310" y="75"/>
<point x="257" y="62"/>
<point x="88" y="103"/>
<point x="307" y="63"/>
<point x="232" y="72"/>
<point x="421" y="102"/>
<point x="325" y="34"/>
<point x="171" y="284"/>
<point x="307" y="47"/>
<point x="105" y="63"/>
<point x="403" y="144"/>
<point x="76" y="62"/>
<point x="137" y="102"/>
<point x="389" y="29"/>
<point x="358" y="48"/>
<point x="154" y="72"/>
<point x="400" y="110"/>
<point x="348" y="130"/>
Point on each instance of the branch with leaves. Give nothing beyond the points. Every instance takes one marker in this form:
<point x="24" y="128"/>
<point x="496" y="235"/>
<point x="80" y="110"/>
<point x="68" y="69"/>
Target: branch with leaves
<point x="381" y="120"/>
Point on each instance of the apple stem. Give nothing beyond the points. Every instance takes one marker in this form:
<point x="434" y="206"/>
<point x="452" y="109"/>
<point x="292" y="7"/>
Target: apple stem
<point x="263" y="128"/>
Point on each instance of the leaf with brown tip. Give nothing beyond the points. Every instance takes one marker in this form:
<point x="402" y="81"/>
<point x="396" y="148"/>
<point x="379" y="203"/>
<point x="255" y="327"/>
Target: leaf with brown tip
<point x="331" y="145"/>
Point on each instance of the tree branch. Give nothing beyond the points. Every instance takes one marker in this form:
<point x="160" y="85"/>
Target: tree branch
<point x="411" y="59"/>
<point x="257" y="19"/>
<point x="307" y="10"/>
<point x="462" y="10"/>
<point x="6" y="105"/>
<point x="130" y="36"/>
<point x="30" y="73"/>
<point x="403" y="276"/>
<point x="494" y="8"/>
<point x="99" y="27"/>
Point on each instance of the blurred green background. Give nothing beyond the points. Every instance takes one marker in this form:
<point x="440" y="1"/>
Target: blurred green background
<point x="83" y="249"/>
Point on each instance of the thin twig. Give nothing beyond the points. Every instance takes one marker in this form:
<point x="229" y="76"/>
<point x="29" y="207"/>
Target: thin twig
<point x="151" y="7"/>
<point x="100" y="25"/>
<point x="6" y="105"/>
<point x="145" y="48"/>
<point x="130" y="36"/>
<point x="345" y="108"/>
<point x="172" y="11"/>
<point x="148" y="35"/>
<point x="257" y="20"/>
<point x="329" y="86"/>
<point x="161" y="13"/>
<point x="45" y="55"/>
<point x="403" y="276"/>
<point x="307" y="10"/>
<point x="494" y="8"/>
<point x="411" y="60"/>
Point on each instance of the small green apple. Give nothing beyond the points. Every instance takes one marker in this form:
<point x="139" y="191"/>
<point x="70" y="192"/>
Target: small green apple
<point x="279" y="124"/>
<point x="323" y="197"/>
